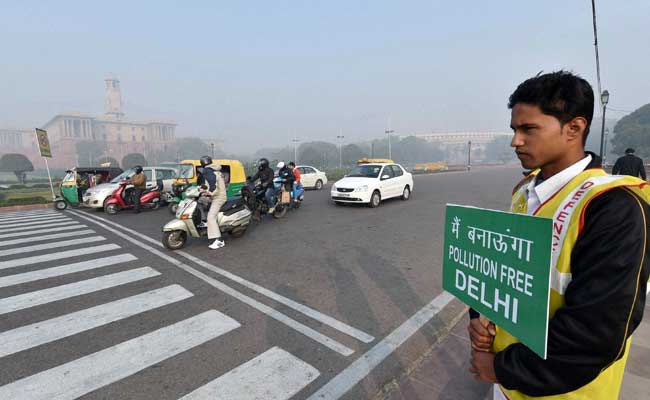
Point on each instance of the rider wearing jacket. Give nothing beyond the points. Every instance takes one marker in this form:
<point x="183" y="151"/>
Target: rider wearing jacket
<point x="265" y="175"/>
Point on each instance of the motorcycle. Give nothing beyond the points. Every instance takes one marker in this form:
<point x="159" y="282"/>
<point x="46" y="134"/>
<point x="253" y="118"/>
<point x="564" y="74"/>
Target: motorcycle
<point x="122" y="199"/>
<point x="233" y="218"/>
<point x="255" y="198"/>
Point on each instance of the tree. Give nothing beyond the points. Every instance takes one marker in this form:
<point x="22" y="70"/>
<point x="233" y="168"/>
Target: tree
<point x="16" y="163"/>
<point x="132" y="159"/>
<point x="499" y="150"/>
<point x="89" y="152"/>
<point x="350" y="153"/>
<point x="188" y="148"/>
<point x="111" y="160"/>
<point x="633" y="130"/>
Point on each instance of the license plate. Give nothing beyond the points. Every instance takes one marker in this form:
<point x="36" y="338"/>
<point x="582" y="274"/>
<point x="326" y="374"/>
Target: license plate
<point x="344" y="195"/>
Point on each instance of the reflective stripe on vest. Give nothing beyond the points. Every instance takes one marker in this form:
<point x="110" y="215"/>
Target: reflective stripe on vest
<point x="567" y="208"/>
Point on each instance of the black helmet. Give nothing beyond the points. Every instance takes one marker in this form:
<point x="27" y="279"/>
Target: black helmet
<point x="206" y="160"/>
<point x="137" y="169"/>
<point x="262" y="163"/>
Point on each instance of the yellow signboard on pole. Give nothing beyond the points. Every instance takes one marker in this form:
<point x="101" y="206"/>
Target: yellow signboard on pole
<point x="43" y="143"/>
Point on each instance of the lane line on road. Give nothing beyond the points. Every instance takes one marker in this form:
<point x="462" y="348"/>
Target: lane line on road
<point x="84" y="375"/>
<point x="44" y="221"/>
<point x="269" y="311"/>
<point x="27" y="337"/>
<point x="360" y="368"/>
<point x="52" y="245"/>
<point x="42" y="238"/>
<point x="48" y="224"/>
<point x="74" y="226"/>
<point x="21" y="262"/>
<point x="39" y="297"/>
<point x="27" y="218"/>
<point x="87" y="265"/>
<point x="308" y="311"/>
<point x="273" y="375"/>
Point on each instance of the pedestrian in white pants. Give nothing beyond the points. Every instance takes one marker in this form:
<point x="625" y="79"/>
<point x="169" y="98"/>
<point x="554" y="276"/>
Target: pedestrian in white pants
<point x="219" y="197"/>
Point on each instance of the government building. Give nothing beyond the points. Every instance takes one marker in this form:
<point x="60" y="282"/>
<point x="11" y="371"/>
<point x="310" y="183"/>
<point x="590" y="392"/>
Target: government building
<point x="117" y="135"/>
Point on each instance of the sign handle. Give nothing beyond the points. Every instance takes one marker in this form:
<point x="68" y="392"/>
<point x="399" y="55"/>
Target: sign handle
<point x="50" y="178"/>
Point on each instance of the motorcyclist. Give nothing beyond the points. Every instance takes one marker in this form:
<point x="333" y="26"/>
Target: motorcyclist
<point x="139" y="181"/>
<point x="286" y="175"/>
<point x="265" y="175"/>
<point x="213" y="197"/>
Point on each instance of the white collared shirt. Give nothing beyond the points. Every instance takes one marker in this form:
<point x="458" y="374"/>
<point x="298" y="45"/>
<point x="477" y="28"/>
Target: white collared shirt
<point x="538" y="194"/>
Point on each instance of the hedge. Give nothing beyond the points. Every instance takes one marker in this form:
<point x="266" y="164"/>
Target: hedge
<point x="24" y="201"/>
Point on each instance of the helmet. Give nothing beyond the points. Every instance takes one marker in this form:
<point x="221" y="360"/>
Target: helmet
<point x="280" y="165"/>
<point x="262" y="163"/>
<point x="205" y="160"/>
<point x="137" y="169"/>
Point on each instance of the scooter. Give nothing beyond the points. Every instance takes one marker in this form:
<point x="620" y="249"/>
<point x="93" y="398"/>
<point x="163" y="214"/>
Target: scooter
<point x="121" y="199"/>
<point x="233" y="218"/>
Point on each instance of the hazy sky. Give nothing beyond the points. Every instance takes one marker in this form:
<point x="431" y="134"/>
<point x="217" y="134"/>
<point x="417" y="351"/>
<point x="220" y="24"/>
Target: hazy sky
<point x="258" y="72"/>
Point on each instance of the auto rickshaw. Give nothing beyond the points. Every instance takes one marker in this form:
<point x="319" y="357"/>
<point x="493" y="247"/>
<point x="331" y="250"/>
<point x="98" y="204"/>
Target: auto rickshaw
<point x="77" y="180"/>
<point x="189" y="174"/>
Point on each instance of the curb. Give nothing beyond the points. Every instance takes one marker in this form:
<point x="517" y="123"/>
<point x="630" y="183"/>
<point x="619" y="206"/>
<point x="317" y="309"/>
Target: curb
<point x="26" y="207"/>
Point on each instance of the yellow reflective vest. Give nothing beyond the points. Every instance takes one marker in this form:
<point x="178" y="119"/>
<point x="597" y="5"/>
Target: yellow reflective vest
<point x="567" y="210"/>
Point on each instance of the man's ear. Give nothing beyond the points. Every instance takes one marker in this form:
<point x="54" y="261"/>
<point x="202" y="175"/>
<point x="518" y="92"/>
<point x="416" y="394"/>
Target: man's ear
<point x="575" y="129"/>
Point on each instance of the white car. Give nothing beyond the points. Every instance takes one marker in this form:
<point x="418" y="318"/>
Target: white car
<point x="311" y="177"/>
<point x="372" y="183"/>
<point x="95" y="196"/>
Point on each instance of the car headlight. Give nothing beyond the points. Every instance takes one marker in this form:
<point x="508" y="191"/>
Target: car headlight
<point x="363" y="188"/>
<point x="333" y="188"/>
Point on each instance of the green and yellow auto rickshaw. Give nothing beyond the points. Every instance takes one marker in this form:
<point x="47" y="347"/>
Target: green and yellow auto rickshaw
<point x="189" y="174"/>
<point x="78" y="180"/>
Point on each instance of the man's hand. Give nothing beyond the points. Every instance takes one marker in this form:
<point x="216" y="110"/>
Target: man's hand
<point x="482" y="366"/>
<point x="481" y="334"/>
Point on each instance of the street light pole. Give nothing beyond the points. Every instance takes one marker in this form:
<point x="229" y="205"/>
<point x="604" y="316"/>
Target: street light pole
<point x="212" y="148"/>
<point x="340" y="138"/>
<point x="389" y="132"/>
<point x="295" y="149"/>
<point x="469" y="155"/>
<point x="605" y="148"/>
<point x="604" y="99"/>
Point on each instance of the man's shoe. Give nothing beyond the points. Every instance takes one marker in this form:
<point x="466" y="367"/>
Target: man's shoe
<point x="218" y="243"/>
<point x="202" y="225"/>
<point x="271" y="210"/>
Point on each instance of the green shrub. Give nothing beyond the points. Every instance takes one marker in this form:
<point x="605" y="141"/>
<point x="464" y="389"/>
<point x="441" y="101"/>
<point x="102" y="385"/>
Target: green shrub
<point x="23" y="201"/>
<point x="40" y="186"/>
<point x="18" y="186"/>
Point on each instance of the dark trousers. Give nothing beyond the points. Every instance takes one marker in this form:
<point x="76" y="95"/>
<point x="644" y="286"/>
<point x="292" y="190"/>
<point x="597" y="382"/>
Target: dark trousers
<point x="137" y="193"/>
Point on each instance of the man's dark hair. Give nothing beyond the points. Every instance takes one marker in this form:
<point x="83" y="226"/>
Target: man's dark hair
<point x="629" y="150"/>
<point x="560" y="94"/>
<point x="291" y="163"/>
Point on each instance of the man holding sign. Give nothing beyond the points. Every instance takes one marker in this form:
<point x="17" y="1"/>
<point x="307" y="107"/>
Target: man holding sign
<point x="599" y="264"/>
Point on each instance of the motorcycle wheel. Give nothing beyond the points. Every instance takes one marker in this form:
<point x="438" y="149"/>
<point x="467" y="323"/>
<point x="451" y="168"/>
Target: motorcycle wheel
<point x="155" y="205"/>
<point x="111" y="209"/>
<point x="280" y="211"/>
<point x="238" y="232"/>
<point x="174" y="240"/>
<point x="173" y="207"/>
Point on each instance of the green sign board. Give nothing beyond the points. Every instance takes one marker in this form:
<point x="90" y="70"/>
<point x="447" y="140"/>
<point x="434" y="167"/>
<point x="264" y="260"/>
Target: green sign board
<point x="43" y="143"/>
<point x="499" y="263"/>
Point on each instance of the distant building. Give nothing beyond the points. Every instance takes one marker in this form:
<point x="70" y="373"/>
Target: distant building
<point x="456" y="144"/>
<point x="117" y="135"/>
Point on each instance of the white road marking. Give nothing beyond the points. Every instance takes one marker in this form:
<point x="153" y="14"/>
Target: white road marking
<point x="44" y="224"/>
<point x="21" y="262"/>
<point x="15" y="234"/>
<point x="308" y="311"/>
<point x="52" y="245"/>
<point x="87" y="265"/>
<point x="29" y="218"/>
<point x="15" y="214"/>
<point x="42" y="238"/>
<point x="82" y="376"/>
<point x="360" y="368"/>
<point x="271" y="312"/>
<point x="273" y="375"/>
<point x="39" y="297"/>
<point x="39" y="333"/>
<point x="58" y="219"/>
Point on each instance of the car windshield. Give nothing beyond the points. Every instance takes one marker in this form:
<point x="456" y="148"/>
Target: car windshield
<point x="366" y="171"/>
<point x="69" y="177"/>
<point x="124" y="175"/>
<point x="186" y="171"/>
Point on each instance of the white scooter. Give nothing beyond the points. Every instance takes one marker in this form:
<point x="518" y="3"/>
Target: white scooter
<point x="233" y="218"/>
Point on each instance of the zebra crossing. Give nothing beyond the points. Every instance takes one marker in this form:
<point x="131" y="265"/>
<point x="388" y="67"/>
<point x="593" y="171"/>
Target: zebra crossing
<point x="33" y="238"/>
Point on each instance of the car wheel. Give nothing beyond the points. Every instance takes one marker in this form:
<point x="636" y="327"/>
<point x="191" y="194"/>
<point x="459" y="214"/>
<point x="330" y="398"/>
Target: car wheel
<point x="60" y="205"/>
<point x="406" y="194"/>
<point x="375" y="199"/>
<point x="319" y="185"/>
